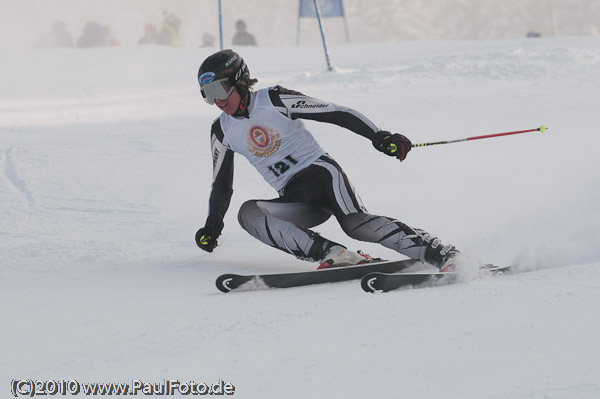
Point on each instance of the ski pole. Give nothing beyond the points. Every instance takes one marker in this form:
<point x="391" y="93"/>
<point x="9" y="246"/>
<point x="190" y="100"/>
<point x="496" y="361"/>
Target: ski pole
<point x="540" y="129"/>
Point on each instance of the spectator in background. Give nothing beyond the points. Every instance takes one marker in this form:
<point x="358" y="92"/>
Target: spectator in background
<point x="59" y="37"/>
<point x="208" y="40"/>
<point x="169" y="31"/>
<point x="242" y="37"/>
<point x="150" y="35"/>
<point x="95" y="34"/>
<point x="109" y="39"/>
<point x="56" y="37"/>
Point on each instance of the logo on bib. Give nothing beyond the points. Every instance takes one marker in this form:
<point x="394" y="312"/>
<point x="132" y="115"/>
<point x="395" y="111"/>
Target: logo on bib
<point x="263" y="141"/>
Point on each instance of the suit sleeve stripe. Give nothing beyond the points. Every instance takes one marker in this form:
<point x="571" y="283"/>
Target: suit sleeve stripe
<point x="222" y="185"/>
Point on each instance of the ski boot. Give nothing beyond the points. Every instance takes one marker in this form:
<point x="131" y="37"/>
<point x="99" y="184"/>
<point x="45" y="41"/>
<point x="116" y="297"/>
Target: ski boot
<point x="444" y="257"/>
<point x="338" y="256"/>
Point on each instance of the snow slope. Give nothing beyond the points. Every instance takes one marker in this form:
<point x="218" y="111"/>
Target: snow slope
<point x="104" y="177"/>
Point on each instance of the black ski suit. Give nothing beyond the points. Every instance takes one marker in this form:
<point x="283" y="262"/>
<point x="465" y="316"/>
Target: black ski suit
<point x="311" y="185"/>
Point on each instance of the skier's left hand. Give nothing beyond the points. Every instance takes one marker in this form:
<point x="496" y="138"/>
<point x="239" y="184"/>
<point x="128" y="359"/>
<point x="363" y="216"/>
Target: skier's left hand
<point x="394" y="145"/>
<point x="206" y="239"/>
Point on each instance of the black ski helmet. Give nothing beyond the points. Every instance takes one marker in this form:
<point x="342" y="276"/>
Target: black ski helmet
<point x="224" y="65"/>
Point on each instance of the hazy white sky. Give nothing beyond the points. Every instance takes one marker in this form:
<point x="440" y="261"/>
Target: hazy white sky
<point x="274" y="22"/>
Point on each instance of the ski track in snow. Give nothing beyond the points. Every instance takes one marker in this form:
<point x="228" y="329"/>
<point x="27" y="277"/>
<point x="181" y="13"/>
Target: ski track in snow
<point x="12" y="174"/>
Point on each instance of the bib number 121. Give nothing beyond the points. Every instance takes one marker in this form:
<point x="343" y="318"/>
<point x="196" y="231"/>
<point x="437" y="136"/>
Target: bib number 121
<point x="282" y="166"/>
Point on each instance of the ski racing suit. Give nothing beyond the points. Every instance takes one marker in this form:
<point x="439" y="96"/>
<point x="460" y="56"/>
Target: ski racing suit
<point x="311" y="185"/>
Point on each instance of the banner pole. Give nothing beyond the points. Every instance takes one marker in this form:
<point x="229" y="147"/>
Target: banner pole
<point x="318" y="10"/>
<point x="220" y="26"/>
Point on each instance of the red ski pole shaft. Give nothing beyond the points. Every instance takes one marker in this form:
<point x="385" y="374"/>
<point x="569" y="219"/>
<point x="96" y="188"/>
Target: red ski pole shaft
<point x="540" y="129"/>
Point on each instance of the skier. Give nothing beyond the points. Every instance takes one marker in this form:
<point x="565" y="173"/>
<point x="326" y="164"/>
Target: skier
<point x="265" y="126"/>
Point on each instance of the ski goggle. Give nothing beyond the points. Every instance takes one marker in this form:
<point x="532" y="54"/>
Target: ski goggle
<point x="220" y="89"/>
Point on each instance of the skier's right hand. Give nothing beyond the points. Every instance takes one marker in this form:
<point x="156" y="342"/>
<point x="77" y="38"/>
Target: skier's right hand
<point x="206" y="238"/>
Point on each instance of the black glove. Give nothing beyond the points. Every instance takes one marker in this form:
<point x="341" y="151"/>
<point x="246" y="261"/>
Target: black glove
<point x="394" y="145"/>
<point x="206" y="237"/>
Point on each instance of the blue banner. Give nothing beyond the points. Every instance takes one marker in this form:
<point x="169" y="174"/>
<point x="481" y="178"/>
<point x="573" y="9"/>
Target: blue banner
<point x="328" y="8"/>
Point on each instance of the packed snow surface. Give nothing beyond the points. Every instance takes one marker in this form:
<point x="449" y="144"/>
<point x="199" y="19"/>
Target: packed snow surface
<point x="105" y="171"/>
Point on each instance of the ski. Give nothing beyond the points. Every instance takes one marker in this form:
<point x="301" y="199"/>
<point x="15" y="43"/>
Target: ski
<point x="230" y="282"/>
<point x="384" y="282"/>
